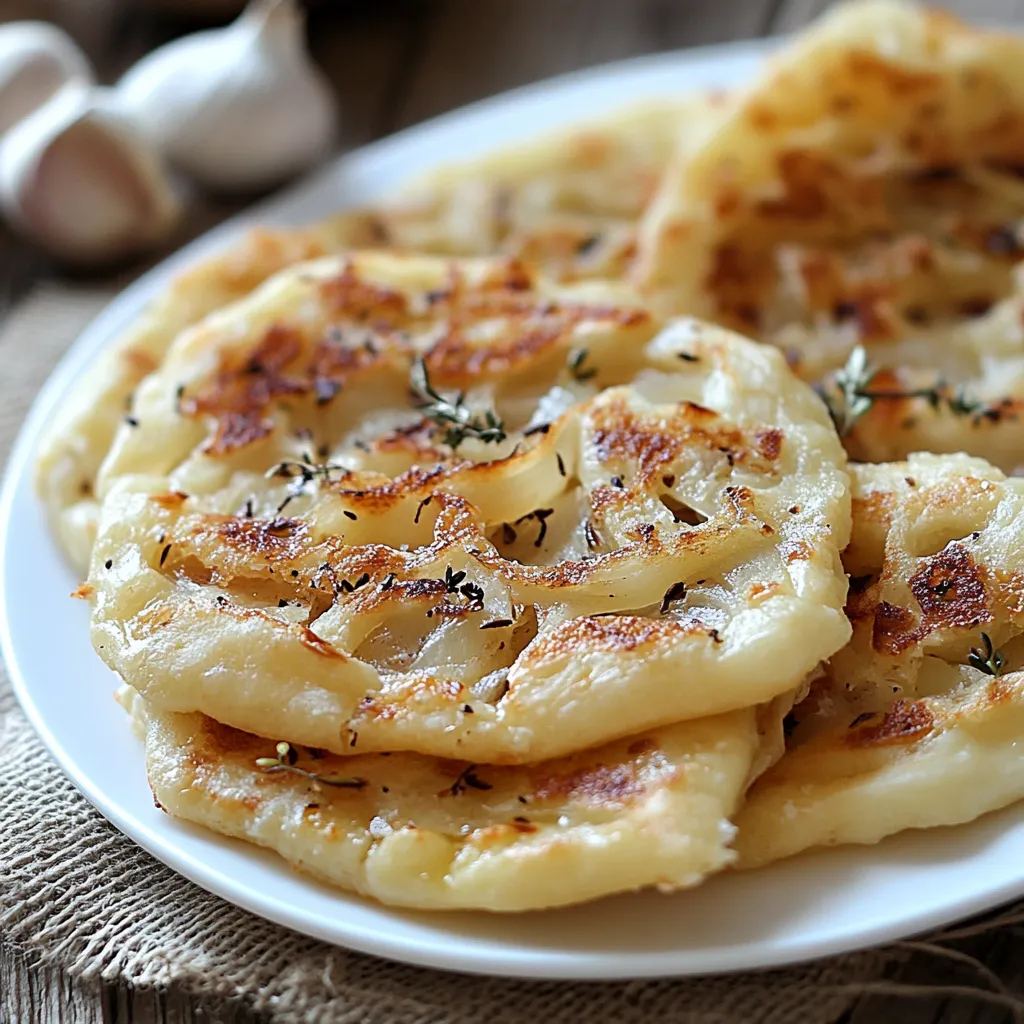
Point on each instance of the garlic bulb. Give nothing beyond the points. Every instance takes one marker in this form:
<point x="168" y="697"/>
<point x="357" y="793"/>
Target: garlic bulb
<point x="77" y="179"/>
<point x="238" y="108"/>
<point x="36" y="59"/>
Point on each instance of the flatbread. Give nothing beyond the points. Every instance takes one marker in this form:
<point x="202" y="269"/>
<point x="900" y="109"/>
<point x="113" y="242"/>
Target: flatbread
<point x="866" y="191"/>
<point x="567" y="204"/>
<point x="434" y="834"/>
<point x="654" y="535"/>
<point x="901" y="731"/>
<point x="83" y="427"/>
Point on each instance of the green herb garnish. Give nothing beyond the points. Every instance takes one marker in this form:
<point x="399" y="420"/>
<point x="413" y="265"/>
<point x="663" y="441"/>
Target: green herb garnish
<point x="452" y="579"/>
<point x="453" y="414"/>
<point x="986" y="658"/>
<point x="468" y="779"/>
<point x="302" y="472"/>
<point x="541" y="515"/>
<point x="853" y="395"/>
<point x="674" y="593"/>
<point x="577" y="357"/>
<point x="286" y="760"/>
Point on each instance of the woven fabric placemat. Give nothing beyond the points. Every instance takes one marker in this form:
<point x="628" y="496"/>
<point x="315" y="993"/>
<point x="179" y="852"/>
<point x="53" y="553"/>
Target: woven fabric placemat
<point x="78" y="894"/>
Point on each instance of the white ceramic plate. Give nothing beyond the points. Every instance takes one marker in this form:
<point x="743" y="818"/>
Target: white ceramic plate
<point x="810" y="906"/>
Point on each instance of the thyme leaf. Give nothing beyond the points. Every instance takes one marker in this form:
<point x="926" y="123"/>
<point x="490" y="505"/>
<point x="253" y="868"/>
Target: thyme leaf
<point x="541" y="515"/>
<point x="347" y="586"/>
<point x="986" y="658"/>
<point x="961" y="404"/>
<point x="674" y="593"/>
<point x="452" y="579"/>
<point x="468" y="779"/>
<point x="576" y="368"/>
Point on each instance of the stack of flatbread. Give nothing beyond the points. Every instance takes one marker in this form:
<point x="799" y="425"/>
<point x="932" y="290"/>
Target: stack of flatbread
<point x="497" y="547"/>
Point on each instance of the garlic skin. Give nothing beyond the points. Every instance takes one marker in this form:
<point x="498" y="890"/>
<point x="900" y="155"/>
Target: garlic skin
<point x="36" y="59"/>
<point x="78" y="180"/>
<point x="239" y="108"/>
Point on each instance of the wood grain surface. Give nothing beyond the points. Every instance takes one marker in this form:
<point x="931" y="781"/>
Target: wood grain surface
<point x="393" y="64"/>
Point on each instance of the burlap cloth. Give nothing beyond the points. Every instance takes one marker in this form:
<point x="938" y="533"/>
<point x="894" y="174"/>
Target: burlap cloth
<point x="76" y="893"/>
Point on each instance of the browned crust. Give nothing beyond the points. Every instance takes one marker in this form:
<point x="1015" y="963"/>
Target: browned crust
<point x="368" y="325"/>
<point x="608" y="633"/>
<point x="904" y="722"/>
<point x="597" y="783"/>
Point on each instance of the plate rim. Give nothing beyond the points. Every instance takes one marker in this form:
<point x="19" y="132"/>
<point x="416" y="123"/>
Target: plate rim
<point x="536" y="964"/>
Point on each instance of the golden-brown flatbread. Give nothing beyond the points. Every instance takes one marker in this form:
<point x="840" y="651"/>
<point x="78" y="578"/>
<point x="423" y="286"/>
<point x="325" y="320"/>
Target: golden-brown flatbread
<point x="616" y="526"/>
<point x="917" y="721"/>
<point x="867" y="191"/>
<point x="436" y="834"/>
<point x="566" y="204"/>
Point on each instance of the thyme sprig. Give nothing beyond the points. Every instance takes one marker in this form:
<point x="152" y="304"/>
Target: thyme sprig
<point x="986" y="658"/>
<point x="305" y="470"/>
<point x="285" y="761"/>
<point x="453" y="414"/>
<point x="851" y="402"/>
<point x="302" y="472"/>
<point x="853" y="394"/>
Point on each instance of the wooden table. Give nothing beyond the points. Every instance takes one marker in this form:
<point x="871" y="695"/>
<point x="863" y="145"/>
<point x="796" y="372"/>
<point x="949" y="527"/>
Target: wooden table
<point x="395" y="63"/>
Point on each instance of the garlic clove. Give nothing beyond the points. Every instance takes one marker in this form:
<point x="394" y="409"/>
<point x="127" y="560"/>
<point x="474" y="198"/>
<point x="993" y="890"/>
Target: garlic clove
<point x="36" y="59"/>
<point x="78" y="180"/>
<point x="239" y="108"/>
